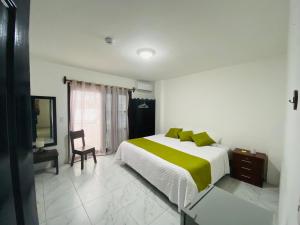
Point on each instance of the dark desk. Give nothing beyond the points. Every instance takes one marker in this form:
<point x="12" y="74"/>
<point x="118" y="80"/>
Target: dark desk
<point x="45" y="156"/>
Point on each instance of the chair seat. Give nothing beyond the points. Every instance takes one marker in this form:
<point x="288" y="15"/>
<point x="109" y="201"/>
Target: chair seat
<point x="84" y="149"/>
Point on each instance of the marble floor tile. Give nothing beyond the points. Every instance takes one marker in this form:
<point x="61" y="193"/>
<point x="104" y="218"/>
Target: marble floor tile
<point x="91" y="189"/>
<point x="41" y="209"/>
<point x="161" y="200"/>
<point x="58" y="192"/>
<point x="115" y="179"/>
<point x="59" y="203"/>
<point x="143" y="184"/>
<point x="110" y="193"/>
<point x="105" y="162"/>
<point x="56" y="183"/>
<point x="38" y="176"/>
<point x="84" y="179"/>
<point x="118" y="217"/>
<point x="102" y="208"/>
<point x="75" y="216"/>
<point x="39" y="185"/>
<point x="128" y="194"/>
<point x="228" y="184"/>
<point x="269" y="199"/>
<point x="76" y="169"/>
<point x="248" y="193"/>
<point x="145" y="210"/>
<point x="167" y="218"/>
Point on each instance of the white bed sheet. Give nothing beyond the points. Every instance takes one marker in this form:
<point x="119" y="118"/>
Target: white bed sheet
<point x="175" y="182"/>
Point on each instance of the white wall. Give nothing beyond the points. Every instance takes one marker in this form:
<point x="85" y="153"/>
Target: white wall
<point x="159" y="107"/>
<point x="243" y="104"/>
<point x="47" y="80"/>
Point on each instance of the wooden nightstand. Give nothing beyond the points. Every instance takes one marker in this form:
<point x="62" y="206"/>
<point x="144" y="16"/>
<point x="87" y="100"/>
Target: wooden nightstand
<point x="249" y="167"/>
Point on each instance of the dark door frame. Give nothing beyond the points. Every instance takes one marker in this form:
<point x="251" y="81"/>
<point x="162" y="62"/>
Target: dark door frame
<point x="8" y="214"/>
<point x="15" y="105"/>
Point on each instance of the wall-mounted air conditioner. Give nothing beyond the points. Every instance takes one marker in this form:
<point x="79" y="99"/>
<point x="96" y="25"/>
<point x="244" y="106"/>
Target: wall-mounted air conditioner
<point x="144" y="86"/>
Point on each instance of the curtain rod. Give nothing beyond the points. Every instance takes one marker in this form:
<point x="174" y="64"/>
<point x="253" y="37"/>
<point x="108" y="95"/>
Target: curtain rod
<point x="65" y="81"/>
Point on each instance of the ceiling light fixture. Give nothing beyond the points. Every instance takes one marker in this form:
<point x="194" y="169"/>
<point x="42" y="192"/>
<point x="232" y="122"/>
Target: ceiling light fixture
<point x="109" y="40"/>
<point x="145" y="53"/>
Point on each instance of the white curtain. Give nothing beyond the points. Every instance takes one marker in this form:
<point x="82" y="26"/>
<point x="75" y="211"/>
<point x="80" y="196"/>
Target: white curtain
<point x="116" y="117"/>
<point x="102" y="113"/>
<point x="87" y="108"/>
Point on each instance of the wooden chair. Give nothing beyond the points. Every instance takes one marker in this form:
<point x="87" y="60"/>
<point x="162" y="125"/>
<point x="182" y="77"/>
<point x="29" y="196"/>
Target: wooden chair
<point x="82" y="151"/>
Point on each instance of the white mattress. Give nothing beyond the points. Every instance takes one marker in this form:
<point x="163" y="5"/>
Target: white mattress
<point x="175" y="182"/>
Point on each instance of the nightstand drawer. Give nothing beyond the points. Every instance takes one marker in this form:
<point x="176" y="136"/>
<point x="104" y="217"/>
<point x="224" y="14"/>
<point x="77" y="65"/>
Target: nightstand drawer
<point x="249" y="162"/>
<point x="244" y="159"/>
<point x="244" y="176"/>
<point x="247" y="169"/>
<point x="253" y="167"/>
<point x="249" y="178"/>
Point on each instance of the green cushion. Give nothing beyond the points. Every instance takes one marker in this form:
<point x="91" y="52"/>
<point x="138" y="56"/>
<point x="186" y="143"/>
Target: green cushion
<point x="202" y="139"/>
<point x="173" y="132"/>
<point x="186" y="135"/>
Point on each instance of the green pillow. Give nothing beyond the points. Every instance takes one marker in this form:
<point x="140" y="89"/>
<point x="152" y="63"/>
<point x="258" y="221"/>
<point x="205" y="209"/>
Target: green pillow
<point x="202" y="139"/>
<point x="186" y="135"/>
<point x="173" y="132"/>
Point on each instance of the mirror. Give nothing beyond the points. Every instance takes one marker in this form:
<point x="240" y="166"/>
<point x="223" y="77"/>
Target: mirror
<point x="43" y="110"/>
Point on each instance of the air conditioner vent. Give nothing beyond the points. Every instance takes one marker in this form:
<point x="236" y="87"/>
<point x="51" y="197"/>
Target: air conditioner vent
<point x="144" y="86"/>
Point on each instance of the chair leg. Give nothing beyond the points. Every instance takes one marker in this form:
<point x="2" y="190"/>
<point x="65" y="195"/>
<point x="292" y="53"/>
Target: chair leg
<point x="85" y="156"/>
<point x="94" y="155"/>
<point x="82" y="162"/>
<point x="73" y="158"/>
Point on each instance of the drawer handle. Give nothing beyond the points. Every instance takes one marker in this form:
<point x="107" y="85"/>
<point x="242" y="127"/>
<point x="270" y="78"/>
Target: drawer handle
<point x="245" y="176"/>
<point x="245" y="168"/>
<point x="246" y="161"/>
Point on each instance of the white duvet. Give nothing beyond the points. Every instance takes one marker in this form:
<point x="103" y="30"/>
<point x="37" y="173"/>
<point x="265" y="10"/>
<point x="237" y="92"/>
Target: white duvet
<point x="175" y="182"/>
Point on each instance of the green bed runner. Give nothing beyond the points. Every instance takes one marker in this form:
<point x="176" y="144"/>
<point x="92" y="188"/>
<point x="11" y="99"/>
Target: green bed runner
<point x="198" y="168"/>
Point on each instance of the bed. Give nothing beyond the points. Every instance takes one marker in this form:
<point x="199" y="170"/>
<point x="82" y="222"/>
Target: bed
<point x="174" y="181"/>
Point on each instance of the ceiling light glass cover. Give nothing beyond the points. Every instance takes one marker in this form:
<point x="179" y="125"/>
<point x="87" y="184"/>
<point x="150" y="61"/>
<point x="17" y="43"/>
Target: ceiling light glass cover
<point x="146" y="53"/>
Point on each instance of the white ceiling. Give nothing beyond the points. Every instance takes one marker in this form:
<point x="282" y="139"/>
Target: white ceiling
<point x="188" y="35"/>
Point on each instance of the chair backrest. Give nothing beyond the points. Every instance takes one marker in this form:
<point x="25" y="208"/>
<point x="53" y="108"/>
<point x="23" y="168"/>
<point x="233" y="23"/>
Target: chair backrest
<point x="75" y="135"/>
